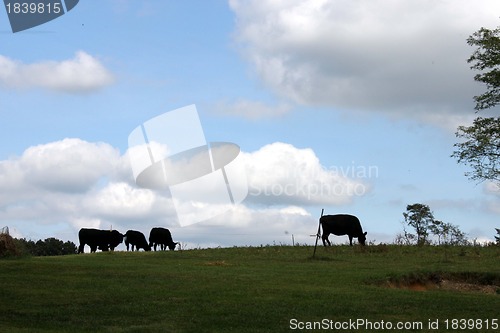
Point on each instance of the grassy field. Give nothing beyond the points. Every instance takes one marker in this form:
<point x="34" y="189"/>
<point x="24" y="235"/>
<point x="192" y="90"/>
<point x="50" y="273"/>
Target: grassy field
<point x="256" y="289"/>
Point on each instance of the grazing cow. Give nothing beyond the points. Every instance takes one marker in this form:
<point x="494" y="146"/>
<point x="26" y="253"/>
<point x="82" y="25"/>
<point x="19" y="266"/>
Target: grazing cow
<point x="137" y="239"/>
<point x="102" y="239"/>
<point x="340" y="225"/>
<point x="162" y="237"/>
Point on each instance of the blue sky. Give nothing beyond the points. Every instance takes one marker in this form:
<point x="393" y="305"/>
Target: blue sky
<point x="304" y="88"/>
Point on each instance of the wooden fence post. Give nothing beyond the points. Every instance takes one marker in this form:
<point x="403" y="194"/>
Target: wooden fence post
<point x="318" y="235"/>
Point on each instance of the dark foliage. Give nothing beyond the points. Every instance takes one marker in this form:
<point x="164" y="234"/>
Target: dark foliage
<point x="48" y="247"/>
<point x="486" y="59"/>
<point x="8" y="246"/>
<point x="480" y="148"/>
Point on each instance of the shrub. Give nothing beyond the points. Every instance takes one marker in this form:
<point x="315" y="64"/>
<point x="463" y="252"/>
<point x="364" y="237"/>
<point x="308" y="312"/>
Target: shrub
<point x="8" y="247"/>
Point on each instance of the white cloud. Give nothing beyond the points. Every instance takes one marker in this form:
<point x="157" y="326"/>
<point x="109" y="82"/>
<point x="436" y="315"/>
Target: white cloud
<point x="72" y="183"/>
<point x="53" y="177"/>
<point x="77" y="184"/>
<point x="70" y="165"/>
<point x="280" y="173"/>
<point x="82" y="74"/>
<point x="120" y="199"/>
<point x="387" y="56"/>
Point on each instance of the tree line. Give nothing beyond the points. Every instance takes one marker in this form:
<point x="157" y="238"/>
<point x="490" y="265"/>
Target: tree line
<point x="48" y="247"/>
<point x="13" y="247"/>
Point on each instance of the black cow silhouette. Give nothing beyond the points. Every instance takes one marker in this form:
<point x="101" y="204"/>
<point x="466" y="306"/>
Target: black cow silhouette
<point x="342" y="224"/>
<point x="161" y="237"/>
<point x="102" y="239"/>
<point x="137" y="239"/>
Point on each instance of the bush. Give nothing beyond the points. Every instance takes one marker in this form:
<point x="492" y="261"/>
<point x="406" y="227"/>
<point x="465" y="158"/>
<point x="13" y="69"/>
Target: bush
<point x="8" y="247"/>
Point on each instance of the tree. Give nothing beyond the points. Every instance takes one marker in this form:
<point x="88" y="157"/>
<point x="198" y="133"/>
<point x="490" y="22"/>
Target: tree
<point x="406" y="238"/>
<point x="486" y="57"/>
<point x="481" y="150"/>
<point x="8" y="246"/>
<point x="419" y="217"/>
<point x="497" y="238"/>
<point x="447" y="233"/>
<point x="55" y="247"/>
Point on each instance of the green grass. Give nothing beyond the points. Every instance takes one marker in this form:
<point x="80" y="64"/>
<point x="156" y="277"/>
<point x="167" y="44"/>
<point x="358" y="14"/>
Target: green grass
<point x="257" y="289"/>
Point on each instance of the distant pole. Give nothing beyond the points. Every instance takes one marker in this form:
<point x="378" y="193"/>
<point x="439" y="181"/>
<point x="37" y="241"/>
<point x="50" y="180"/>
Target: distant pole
<point x="318" y="233"/>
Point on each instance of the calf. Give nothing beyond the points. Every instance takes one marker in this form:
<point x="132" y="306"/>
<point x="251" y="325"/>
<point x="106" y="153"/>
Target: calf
<point x="137" y="239"/>
<point x="340" y="225"/>
<point x="162" y="237"/>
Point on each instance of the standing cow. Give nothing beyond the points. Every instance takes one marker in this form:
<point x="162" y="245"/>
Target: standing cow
<point x="162" y="237"/>
<point x="137" y="239"/>
<point x="102" y="239"/>
<point x="340" y="225"/>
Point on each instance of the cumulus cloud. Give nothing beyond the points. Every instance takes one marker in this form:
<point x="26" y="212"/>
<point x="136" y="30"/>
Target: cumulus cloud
<point x="55" y="173"/>
<point x="70" y="165"/>
<point x="75" y="183"/>
<point x="120" y="199"/>
<point x="394" y="57"/>
<point x="72" y="183"/>
<point x="84" y="73"/>
<point x="280" y="173"/>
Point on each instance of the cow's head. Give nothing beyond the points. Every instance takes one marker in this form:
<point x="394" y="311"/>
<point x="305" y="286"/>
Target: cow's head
<point x="362" y="238"/>
<point x="116" y="238"/>
<point x="173" y="245"/>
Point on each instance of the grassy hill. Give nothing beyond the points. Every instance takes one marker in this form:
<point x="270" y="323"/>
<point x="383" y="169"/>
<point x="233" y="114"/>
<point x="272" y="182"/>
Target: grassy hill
<point x="256" y="289"/>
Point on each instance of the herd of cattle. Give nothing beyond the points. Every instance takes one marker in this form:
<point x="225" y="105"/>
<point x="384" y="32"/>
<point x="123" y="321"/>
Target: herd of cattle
<point x="104" y="240"/>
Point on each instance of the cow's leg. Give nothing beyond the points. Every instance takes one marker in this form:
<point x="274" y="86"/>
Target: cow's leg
<point x="126" y="243"/>
<point x="350" y="240"/>
<point x="80" y="248"/>
<point x="326" y="240"/>
<point x="93" y="248"/>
